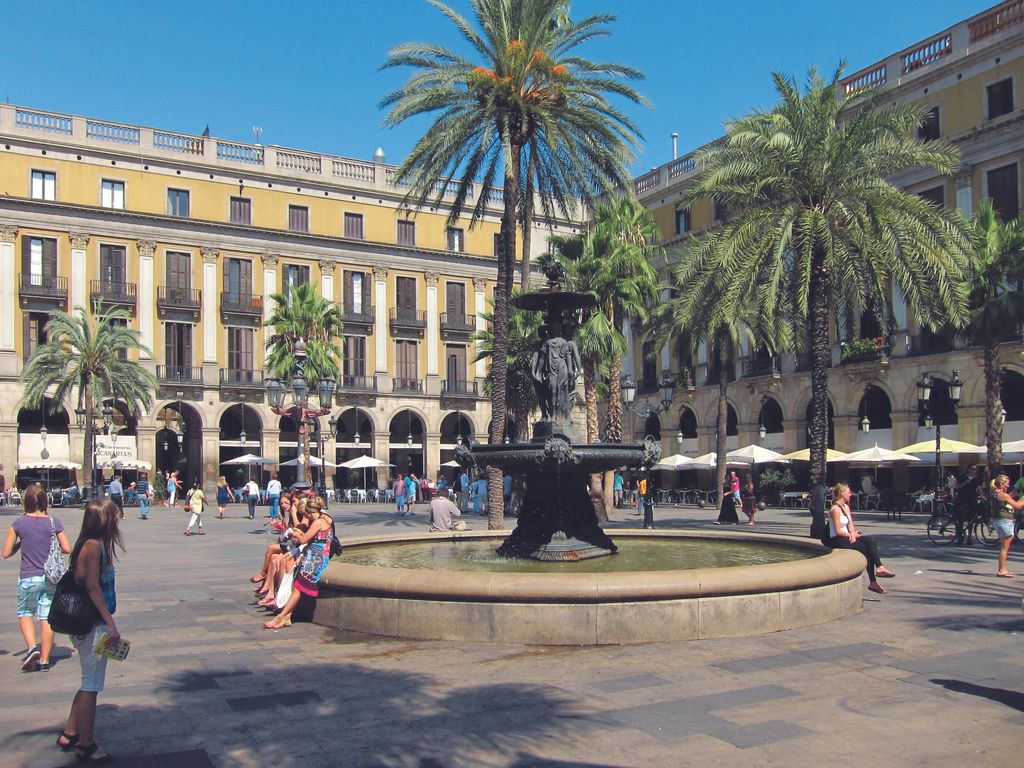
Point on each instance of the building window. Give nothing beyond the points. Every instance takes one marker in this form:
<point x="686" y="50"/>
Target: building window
<point x="241" y="210"/>
<point x="455" y="302"/>
<point x="354" y="226"/>
<point x="38" y="260"/>
<point x="298" y="218"/>
<point x="294" y="275"/>
<point x="112" y="194"/>
<point x="113" y="270"/>
<point x="456" y="240"/>
<point x="1003" y="191"/>
<point x="405" y="364"/>
<point x="721" y="210"/>
<point x="238" y="279"/>
<point x="178" y="349"/>
<point x="44" y="185"/>
<point x="682" y="221"/>
<point x="405" y="298"/>
<point x="455" y="367"/>
<point x="1000" y="98"/>
<point x="354" y="360"/>
<point x="179" y="275"/>
<point x="929" y="129"/>
<point x="407" y="232"/>
<point x="35" y="331"/>
<point x="177" y="202"/>
<point x="497" y="244"/>
<point x="240" y="349"/>
<point x="936" y="194"/>
<point x="356" y="288"/>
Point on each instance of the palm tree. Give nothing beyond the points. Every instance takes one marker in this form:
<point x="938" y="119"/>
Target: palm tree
<point x="528" y="101"/>
<point x="814" y="221"/>
<point x="299" y="313"/>
<point x="996" y="306"/>
<point x="87" y="358"/>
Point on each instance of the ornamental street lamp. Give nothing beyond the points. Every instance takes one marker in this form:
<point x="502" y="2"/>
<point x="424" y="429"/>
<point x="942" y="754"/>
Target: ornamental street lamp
<point x="86" y="420"/>
<point x="300" y="410"/>
<point x="668" y="388"/>
<point x="925" y="388"/>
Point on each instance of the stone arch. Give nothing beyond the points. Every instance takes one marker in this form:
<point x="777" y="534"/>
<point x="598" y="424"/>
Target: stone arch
<point x="1011" y="392"/>
<point x="770" y="415"/>
<point x="407" y="441"/>
<point x="688" y="422"/>
<point x="185" y="455"/>
<point x="875" y="405"/>
<point x="455" y="425"/>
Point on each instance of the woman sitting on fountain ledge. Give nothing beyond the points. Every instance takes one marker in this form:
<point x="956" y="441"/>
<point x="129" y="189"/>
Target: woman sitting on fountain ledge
<point x="843" y="534"/>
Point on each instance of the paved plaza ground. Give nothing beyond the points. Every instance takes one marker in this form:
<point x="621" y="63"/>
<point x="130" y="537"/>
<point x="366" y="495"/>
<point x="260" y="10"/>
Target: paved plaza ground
<point x="931" y="674"/>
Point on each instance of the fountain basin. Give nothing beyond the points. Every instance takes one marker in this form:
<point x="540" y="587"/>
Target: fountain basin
<point x="574" y="608"/>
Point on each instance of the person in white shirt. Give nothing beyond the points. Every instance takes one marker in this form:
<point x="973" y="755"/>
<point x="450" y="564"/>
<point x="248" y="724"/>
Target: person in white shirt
<point x="252" y="495"/>
<point x="274" y="495"/>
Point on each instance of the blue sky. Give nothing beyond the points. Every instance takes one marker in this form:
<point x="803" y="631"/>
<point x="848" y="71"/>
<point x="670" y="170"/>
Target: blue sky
<point x="307" y="72"/>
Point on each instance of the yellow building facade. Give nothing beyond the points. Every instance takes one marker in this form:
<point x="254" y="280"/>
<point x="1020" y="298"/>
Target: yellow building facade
<point x="971" y="78"/>
<point x="193" y="235"/>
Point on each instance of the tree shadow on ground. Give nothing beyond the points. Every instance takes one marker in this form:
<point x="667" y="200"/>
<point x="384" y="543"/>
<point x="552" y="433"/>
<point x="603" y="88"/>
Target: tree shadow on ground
<point x="1012" y="699"/>
<point x="269" y="712"/>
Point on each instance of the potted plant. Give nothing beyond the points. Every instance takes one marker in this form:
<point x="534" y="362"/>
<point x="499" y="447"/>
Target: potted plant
<point x="159" y="483"/>
<point x="774" y="482"/>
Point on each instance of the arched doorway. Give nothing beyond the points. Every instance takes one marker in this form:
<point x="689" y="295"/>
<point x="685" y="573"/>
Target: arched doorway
<point x="454" y="427"/>
<point x="118" y="443"/>
<point x="1011" y="393"/>
<point x="652" y="428"/>
<point x="770" y="419"/>
<point x="179" y="441"/>
<point x="687" y="437"/>
<point x="43" y="441"/>
<point x="287" y="450"/>
<point x="407" y="443"/>
<point x="511" y="431"/>
<point x="353" y="437"/>
<point x="241" y="433"/>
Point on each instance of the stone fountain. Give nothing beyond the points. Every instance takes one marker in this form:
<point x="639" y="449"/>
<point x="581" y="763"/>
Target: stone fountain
<point x="557" y="520"/>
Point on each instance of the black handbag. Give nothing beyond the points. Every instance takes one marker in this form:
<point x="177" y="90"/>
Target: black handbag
<point x="72" y="611"/>
<point x="335" y="544"/>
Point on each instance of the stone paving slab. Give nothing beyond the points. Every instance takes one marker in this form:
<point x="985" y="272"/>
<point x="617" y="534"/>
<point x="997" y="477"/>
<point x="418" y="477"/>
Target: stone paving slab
<point x="930" y="674"/>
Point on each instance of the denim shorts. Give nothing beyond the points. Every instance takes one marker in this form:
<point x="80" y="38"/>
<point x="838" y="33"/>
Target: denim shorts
<point x="94" y="668"/>
<point x="1004" y="527"/>
<point x="34" y="597"/>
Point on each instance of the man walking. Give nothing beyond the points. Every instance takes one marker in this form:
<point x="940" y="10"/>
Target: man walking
<point x="116" y="491"/>
<point x="274" y="495"/>
<point x="145" y="491"/>
<point x="252" y="495"/>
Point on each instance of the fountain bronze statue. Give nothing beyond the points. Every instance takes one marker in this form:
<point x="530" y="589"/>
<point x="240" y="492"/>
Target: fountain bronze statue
<point x="557" y="520"/>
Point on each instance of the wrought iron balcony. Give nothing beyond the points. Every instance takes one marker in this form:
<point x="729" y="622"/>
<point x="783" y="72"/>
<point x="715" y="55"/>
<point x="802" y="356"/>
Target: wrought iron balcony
<point x="407" y="319"/>
<point x="241" y="378"/>
<point x="410" y="386"/>
<point x="113" y="294"/>
<point x="455" y="388"/>
<point x="929" y="344"/>
<point x="188" y="300"/>
<point x="754" y="368"/>
<point x="356" y="384"/>
<point x="246" y="304"/>
<point x="712" y="377"/>
<point x="364" y="319"/>
<point x="179" y="374"/>
<point x="457" y="325"/>
<point x="43" y="289"/>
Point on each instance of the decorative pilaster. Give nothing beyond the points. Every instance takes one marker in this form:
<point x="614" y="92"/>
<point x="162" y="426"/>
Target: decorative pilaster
<point x="380" y="331"/>
<point x="327" y="279"/>
<point x="147" y="294"/>
<point x="628" y="359"/>
<point x="433" y="324"/>
<point x="480" y="305"/>
<point x="965" y="189"/>
<point x="8" y="286"/>
<point x="210" y="324"/>
<point x="79" y="270"/>
<point x="269" y="281"/>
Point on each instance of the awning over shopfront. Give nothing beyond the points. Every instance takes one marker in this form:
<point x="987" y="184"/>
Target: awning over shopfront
<point x="30" y="448"/>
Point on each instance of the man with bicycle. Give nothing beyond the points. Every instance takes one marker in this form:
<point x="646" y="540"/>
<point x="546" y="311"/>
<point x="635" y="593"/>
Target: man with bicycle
<point x="964" y="504"/>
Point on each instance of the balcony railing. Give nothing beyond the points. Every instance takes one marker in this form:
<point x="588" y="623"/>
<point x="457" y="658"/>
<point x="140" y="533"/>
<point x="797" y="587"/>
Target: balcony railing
<point x="803" y="362"/>
<point x="233" y="302"/>
<point x="452" y="323"/>
<point x="43" y="287"/>
<point x="712" y="377"/>
<point x="929" y="344"/>
<point x="357" y="384"/>
<point x="408" y="385"/>
<point x="179" y="298"/>
<point x="112" y="293"/>
<point x="364" y="316"/>
<point x="751" y="369"/>
<point x="456" y="388"/>
<point x="183" y="374"/>
<point x="408" y="318"/>
<point x="238" y="377"/>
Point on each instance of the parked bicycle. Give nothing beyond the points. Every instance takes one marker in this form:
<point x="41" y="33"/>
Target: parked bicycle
<point x="942" y="525"/>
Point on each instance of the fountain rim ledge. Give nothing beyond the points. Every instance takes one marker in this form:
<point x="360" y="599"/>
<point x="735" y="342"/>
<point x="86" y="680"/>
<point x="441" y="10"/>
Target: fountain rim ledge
<point x="830" y="567"/>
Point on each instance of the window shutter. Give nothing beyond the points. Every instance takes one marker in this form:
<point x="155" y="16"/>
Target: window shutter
<point x="26" y="255"/>
<point x="50" y="259"/>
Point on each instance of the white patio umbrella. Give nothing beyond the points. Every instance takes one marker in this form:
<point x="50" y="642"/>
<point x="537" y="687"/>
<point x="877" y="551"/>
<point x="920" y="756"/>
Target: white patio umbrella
<point x="313" y="462"/>
<point x="250" y="459"/>
<point x="707" y="461"/>
<point x="946" y="445"/>
<point x="49" y="464"/>
<point x="755" y="454"/>
<point x="804" y="454"/>
<point x="1013" y="446"/>
<point x="875" y="456"/>
<point x="364" y="463"/>
<point x="675" y="461"/>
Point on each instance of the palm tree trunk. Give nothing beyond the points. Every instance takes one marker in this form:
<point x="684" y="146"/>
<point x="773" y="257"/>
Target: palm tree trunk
<point x="613" y="421"/>
<point x="524" y="269"/>
<point x="499" y="356"/>
<point x="721" y="433"/>
<point x="993" y="407"/>
<point x="590" y="399"/>
<point x="87" y="458"/>
<point x="820" y="289"/>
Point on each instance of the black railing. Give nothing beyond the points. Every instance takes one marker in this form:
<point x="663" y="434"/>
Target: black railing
<point x="112" y="293"/>
<point x="44" y="286"/>
<point x="408" y="385"/>
<point x="241" y="303"/>
<point x="357" y="384"/>
<point x="364" y="316"/>
<point x="456" y="388"/>
<point x="458" y="323"/>
<point x="760" y="367"/>
<point x="188" y="374"/>
<point x="238" y="377"/>
<point x="410" y="318"/>
<point x="712" y="377"/>
<point x="929" y="344"/>
<point x="179" y="298"/>
<point x="803" y="362"/>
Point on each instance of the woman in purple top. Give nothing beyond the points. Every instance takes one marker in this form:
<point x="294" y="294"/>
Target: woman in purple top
<point x="31" y="534"/>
